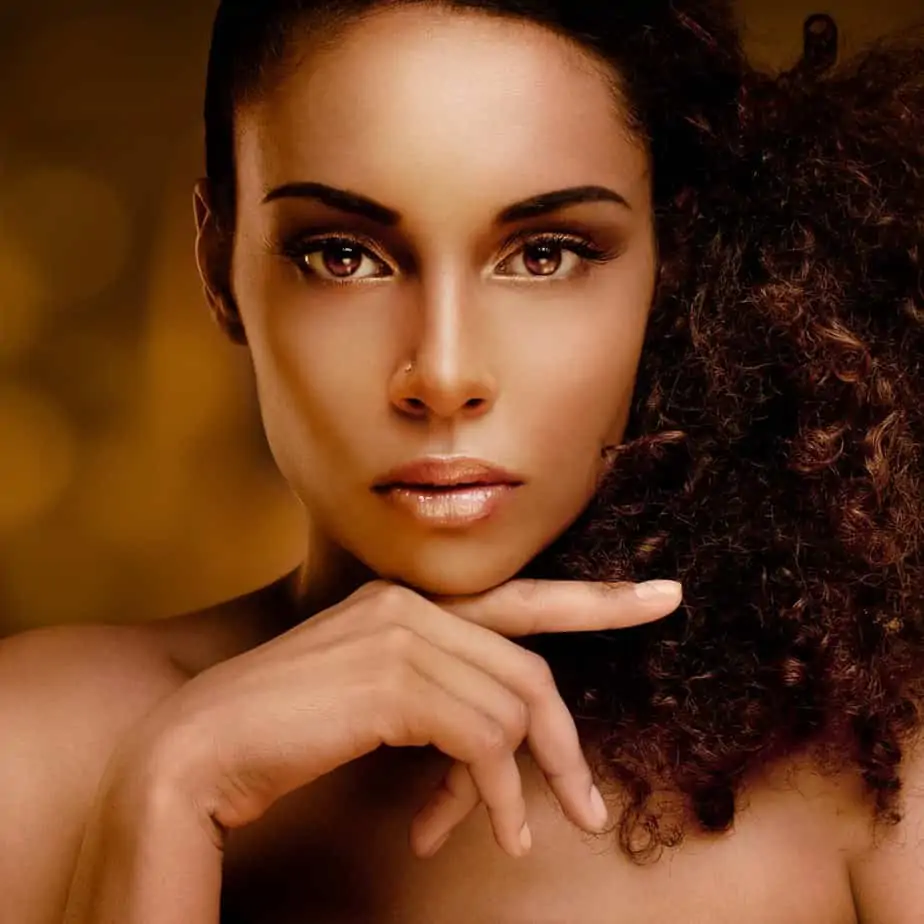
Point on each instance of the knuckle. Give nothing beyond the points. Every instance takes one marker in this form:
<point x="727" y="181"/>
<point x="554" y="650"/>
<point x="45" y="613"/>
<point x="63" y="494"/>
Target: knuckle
<point x="538" y="674"/>
<point x="396" y="677"/>
<point x="519" y="727"/>
<point x="368" y="592"/>
<point x="514" y="720"/>
<point x="492" y="739"/>
<point x="382" y="603"/>
<point x="390" y="597"/>
<point x="370" y="587"/>
<point x="388" y="590"/>
<point x="528" y="590"/>
<point x="396" y="641"/>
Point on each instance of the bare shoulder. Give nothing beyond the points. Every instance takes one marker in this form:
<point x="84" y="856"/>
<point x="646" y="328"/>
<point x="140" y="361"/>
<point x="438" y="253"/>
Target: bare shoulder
<point x="67" y="696"/>
<point x="887" y="875"/>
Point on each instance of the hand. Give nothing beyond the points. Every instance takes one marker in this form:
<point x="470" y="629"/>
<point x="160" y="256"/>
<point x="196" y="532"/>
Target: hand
<point x="388" y="666"/>
<point x="515" y="614"/>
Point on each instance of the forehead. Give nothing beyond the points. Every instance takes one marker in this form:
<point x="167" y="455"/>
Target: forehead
<point x="418" y="99"/>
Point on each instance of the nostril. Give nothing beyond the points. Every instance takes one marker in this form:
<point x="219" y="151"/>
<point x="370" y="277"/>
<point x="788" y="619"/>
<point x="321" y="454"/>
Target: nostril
<point x="414" y="404"/>
<point x="419" y="406"/>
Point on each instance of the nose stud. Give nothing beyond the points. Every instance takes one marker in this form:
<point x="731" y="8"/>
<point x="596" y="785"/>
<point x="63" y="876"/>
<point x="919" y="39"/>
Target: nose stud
<point x="409" y="368"/>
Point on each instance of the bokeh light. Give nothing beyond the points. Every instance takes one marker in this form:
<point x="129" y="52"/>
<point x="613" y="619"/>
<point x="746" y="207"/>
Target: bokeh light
<point x="21" y="296"/>
<point x="38" y="458"/>
<point x="134" y="479"/>
<point x="73" y="227"/>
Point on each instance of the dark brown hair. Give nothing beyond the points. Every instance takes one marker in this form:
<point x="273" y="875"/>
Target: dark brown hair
<point x="773" y="457"/>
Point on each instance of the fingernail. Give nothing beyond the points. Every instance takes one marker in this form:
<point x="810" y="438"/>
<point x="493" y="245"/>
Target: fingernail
<point x="526" y="838"/>
<point x="601" y="814"/>
<point x="657" y="591"/>
<point x="435" y="846"/>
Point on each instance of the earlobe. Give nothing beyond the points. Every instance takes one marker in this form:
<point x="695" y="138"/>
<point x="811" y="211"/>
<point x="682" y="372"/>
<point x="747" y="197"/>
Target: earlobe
<point x="213" y="258"/>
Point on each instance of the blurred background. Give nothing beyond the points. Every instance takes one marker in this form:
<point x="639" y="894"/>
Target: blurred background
<point x="134" y="478"/>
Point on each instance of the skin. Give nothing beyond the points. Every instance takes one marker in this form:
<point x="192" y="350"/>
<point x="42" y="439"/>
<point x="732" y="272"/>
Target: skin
<point x="531" y="372"/>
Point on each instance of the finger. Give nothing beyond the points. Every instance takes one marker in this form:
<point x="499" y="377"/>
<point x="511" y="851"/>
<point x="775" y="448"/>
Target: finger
<point x="423" y="712"/>
<point x="531" y="607"/>
<point x="550" y="730"/>
<point x="570" y="781"/>
<point x="498" y="780"/>
<point x="556" y="748"/>
<point x="455" y="799"/>
<point x="472" y="684"/>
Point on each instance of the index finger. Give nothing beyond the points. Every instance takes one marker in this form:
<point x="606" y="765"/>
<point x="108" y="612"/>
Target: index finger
<point x="530" y="607"/>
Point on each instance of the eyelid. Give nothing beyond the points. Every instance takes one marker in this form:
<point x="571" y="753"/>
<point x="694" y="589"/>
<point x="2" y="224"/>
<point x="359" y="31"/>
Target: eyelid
<point x="525" y="235"/>
<point x="307" y="243"/>
<point x="296" y="249"/>
<point x="300" y="246"/>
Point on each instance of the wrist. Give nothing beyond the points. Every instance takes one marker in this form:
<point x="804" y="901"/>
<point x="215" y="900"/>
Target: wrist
<point x="146" y="831"/>
<point x="156" y="780"/>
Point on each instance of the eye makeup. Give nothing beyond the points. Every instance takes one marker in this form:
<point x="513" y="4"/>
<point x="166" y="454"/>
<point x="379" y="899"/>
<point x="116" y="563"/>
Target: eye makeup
<point x="302" y="249"/>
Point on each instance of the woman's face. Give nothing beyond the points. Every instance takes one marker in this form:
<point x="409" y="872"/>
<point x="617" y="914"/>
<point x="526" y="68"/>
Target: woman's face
<point x="524" y="349"/>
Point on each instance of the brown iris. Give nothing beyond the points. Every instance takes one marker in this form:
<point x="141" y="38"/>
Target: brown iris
<point x="341" y="259"/>
<point x="542" y="259"/>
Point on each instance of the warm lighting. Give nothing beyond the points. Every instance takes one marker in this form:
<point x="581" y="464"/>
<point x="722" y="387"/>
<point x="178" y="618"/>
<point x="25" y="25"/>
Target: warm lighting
<point x="37" y="459"/>
<point x="21" y="297"/>
<point x="74" y="227"/>
<point x="133" y="477"/>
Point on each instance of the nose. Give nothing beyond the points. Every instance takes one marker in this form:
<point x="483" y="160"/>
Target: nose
<point x="445" y="374"/>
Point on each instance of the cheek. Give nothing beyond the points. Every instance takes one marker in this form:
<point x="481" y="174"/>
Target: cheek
<point x="581" y="382"/>
<point x="321" y="378"/>
<point x="301" y="352"/>
<point x="585" y="410"/>
<point x="297" y="379"/>
<point x="311" y="397"/>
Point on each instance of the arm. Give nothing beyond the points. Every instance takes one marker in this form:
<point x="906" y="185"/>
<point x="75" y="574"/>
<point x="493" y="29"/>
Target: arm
<point x="888" y="875"/>
<point x="66" y="696"/>
<point x="384" y="666"/>
<point x="146" y="857"/>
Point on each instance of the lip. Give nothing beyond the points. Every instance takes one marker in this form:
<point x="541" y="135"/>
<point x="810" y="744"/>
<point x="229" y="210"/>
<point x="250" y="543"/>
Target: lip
<point x="446" y="471"/>
<point x="448" y="492"/>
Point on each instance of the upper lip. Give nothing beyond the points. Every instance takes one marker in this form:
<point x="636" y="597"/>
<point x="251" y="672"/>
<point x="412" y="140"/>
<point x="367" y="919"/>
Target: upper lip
<point x="446" y="471"/>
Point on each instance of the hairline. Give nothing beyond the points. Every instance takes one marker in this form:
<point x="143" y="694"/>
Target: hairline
<point x="325" y="30"/>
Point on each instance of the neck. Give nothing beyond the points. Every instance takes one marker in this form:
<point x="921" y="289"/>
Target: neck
<point x="327" y="575"/>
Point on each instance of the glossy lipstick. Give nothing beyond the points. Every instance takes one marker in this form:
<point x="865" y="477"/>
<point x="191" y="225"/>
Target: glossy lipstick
<point x="448" y="491"/>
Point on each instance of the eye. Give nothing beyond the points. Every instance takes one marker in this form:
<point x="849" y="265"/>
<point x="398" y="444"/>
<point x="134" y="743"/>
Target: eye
<point x="339" y="259"/>
<point x="336" y="259"/>
<point x="542" y="256"/>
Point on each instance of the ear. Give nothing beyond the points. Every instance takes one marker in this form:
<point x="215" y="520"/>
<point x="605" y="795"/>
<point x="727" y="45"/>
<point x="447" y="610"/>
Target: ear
<point x="214" y="246"/>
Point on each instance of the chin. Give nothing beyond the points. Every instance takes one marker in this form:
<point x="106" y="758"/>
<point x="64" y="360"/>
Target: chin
<point x="448" y="573"/>
<point x="447" y="583"/>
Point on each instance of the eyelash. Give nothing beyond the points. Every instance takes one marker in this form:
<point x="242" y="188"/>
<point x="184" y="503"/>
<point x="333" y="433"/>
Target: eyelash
<point x="588" y="252"/>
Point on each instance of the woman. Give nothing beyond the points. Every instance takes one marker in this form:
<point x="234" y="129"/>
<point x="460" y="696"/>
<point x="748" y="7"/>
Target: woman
<point x="539" y="296"/>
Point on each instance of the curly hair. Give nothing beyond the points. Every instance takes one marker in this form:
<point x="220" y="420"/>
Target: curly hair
<point x="772" y="460"/>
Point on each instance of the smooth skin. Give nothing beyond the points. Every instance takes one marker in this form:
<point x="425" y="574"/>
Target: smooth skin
<point x="524" y="354"/>
<point x="385" y="666"/>
<point x="520" y="356"/>
<point x="394" y="632"/>
<point x="523" y="357"/>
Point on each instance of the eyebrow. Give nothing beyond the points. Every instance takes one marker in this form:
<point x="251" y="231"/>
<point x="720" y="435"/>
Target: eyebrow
<point x="345" y="201"/>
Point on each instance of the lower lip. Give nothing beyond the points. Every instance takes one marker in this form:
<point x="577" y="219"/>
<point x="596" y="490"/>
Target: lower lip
<point x="449" y="507"/>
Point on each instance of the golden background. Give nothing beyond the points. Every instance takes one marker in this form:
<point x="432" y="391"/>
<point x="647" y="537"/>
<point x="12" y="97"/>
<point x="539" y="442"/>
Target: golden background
<point x="134" y="478"/>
